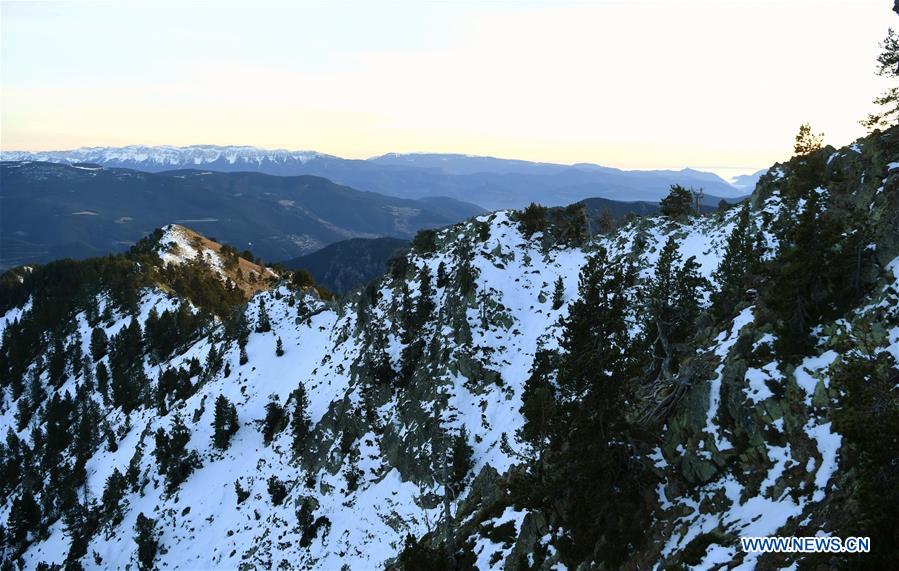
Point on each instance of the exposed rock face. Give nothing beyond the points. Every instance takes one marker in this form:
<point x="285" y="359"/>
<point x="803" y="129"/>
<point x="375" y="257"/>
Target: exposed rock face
<point x="446" y="341"/>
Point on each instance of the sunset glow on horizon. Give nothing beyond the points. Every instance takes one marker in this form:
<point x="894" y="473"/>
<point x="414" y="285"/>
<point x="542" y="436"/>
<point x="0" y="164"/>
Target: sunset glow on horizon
<point x="711" y="85"/>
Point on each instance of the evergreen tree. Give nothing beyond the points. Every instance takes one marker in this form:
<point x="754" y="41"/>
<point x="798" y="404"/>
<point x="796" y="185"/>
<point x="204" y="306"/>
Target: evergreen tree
<point x="224" y="423"/>
<point x="24" y="517"/>
<point x="276" y="490"/>
<point x="300" y="423"/>
<point x="592" y="472"/>
<point x="739" y="261"/>
<point x="559" y="294"/>
<point x="102" y="374"/>
<point x="670" y="309"/>
<point x="244" y="359"/>
<point x="263" y="323"/>
<point x="807" y="142"/>
<point x="460" y="458"/>
<point x="424" y="305"/>
<point x="274" y="419"/>
<point x="887" y="66"/>
<point x="678" y="204"/>
<point x="442" y="277"/>
<point x="279" y="348"/>
<point x="539" y="407"/>
<point x="113" y="493"/>
<point x="532" y="219"/>
<point x="147" y="543"/>
<point x="173" y="459"/>
<point x="798" y="293"/>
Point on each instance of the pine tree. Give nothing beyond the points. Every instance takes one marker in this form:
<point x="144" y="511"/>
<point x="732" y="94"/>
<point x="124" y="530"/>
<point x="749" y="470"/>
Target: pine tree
<point x="224" y="423"/>
<point x="263" y="324"/>
<point x="300" y="423"/>
<point x="24" y="517"/>
<point x="113" y="492"/>
<point x="460" y="458"/>
<point x="590" y="466"/>
<point x="887" y="66"/>
<point x="442" y="277"/>
<point x="279" y="348"/>
<point x="147" y="543"/>
<point x="102" y="374"/>
<point x="173" y="459"/>
<point x="539" y="403"/>
<point x="244" y="359"/>
<point x="424" y="305"/>
<point x="276" y="490"/>
<point x="807" y="142"/>
<point x="739" y="261"/>
<point x="274" y="419"/>
<point x="678" y="204"/>
<point x="559" y="294"/>
<point x="797" y="296"/>
<point x="670" y="308"/>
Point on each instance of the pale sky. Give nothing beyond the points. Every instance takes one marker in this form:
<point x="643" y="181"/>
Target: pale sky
<point x="717" y="84"/>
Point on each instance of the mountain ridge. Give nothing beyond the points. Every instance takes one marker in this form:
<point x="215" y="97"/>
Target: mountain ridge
<point x="490" y="182"/>
<point x="450" y="410"/>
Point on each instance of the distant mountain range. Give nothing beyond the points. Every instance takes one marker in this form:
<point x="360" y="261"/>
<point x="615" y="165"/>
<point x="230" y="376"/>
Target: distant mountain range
<point x="492" y="183"/>
<point x="50" y="211"/>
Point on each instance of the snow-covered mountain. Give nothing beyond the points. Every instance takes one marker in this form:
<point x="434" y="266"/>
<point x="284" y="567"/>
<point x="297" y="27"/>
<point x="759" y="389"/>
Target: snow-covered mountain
<point x="418" y="414"/>
<point x="492" y="183"/>
<point x="166" y="157"/>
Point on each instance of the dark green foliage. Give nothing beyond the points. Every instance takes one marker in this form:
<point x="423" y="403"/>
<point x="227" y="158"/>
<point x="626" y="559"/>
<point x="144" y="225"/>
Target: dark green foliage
<point x="113" y="493"/>
<point x="424" y="305"/>
<point x="671" y="306"/>
<point x="589" y="472"/>
<point x="678" y="204"/>
<point x="173" y="459"/>
<point x="421" y="556"/>
<point x="173" y="384"/>
<point x="569" y="225"/>
<point x="465" y="272"/>
<point x="279" y="347"/>
<point x="559" y="294"/>
<point x="242" y="494"/>
<point x="275" y="419"/>
<point x="102" y="375"/>
<point x="539" y="402"/>
<point x="147" y="543"/>
<point x="171" y="330"/>
<point x="353" y="473"/>
<point x="532" y="219"/>
<point x="302" y="279"/>
<point x="740" y="262"/>
<point x="425" y="242"/>
<point x="867" y="417"/>
<point x="299" y="423"/>
<point x="230" y="256"/>
<point x="263" y="322"/>
<point x="887" y="66"/>
<point x="460" y="458"/>
<point x="24" y="517"/>
<point x="799" y="296"/>
<point x="442" y="277"/>
<point x="277" y="490"/>
<point x="224" y="423"/>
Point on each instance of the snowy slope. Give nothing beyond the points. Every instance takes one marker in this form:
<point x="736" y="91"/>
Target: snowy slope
<point x="477" y="383"/>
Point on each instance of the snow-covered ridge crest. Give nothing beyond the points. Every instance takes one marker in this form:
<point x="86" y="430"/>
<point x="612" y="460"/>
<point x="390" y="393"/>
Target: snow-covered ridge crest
<point x="179" y="245"/>
<point x="166" y="155"/>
